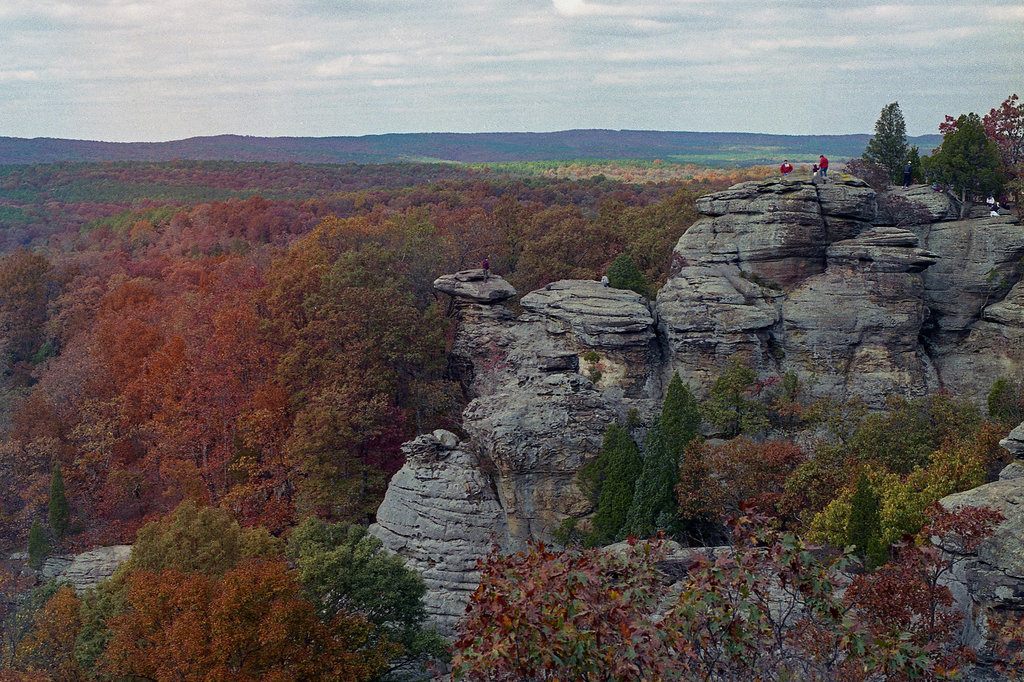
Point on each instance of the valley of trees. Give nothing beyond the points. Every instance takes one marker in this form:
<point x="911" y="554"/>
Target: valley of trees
<point x="218" y="362"/>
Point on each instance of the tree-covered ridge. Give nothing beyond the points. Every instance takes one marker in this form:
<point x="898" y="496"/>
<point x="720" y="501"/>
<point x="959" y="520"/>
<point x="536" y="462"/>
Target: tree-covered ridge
<point x="687" y="147"/>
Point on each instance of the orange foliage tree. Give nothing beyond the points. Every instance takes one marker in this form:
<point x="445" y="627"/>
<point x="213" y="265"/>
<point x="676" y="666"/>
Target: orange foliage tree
<point x="251" y="624"/>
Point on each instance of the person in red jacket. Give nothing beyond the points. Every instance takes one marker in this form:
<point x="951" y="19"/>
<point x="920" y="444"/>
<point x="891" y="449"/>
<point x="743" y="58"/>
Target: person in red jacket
<point x="786" y="168"/>
<point x="823" y="165"/>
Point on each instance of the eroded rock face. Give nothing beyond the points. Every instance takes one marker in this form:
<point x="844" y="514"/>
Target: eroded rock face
<point x="475" y="286"/>
<point x="778" y="229"/>
<point x="88" y="568"/>
<point x="853" y="330"/>
<point x="578" y="357"/>
<point x="789" y="275"/>
<point x="442" y="514"/>
<point x="929" y="205"/>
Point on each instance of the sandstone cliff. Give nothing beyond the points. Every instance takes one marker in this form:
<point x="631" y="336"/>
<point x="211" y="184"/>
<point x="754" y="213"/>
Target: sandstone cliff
<point x="789" y="275"/>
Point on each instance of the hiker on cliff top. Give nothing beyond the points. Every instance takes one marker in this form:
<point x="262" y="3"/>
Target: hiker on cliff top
<point x="908" y="173"/>
<point x="486" y="267"/>
<point x="786" y="168"/>
<point x="823" y="165"/>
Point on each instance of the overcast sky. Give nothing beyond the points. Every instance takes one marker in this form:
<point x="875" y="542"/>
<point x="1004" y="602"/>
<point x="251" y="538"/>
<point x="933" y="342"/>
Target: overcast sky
<point x="150" y="70"/>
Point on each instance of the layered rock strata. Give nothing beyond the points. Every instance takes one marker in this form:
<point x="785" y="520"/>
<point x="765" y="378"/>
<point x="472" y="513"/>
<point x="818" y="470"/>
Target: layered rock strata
<point x="442" y="514"/>
<point x="988" y="583"/>
<point x="788" y="275"/>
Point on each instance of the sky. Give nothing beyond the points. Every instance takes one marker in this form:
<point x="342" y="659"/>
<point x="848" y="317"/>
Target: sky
<point x="154" y="70"/>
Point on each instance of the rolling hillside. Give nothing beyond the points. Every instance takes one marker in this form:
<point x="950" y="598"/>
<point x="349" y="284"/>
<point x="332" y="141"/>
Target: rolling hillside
<point x="679" y="147"/>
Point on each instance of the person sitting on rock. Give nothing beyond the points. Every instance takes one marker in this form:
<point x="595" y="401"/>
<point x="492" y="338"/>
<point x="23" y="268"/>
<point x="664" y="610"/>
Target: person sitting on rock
<point x="786" y="168"/>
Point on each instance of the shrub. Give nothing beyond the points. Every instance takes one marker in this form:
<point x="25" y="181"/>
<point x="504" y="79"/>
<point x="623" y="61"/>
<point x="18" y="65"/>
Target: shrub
<point x="623" y="274"/>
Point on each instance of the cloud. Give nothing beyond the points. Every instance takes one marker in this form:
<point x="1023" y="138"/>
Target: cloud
<point x="149" y="69"/>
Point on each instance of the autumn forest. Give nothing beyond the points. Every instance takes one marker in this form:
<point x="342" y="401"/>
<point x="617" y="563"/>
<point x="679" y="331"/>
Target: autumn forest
<point x="217" y="362"/>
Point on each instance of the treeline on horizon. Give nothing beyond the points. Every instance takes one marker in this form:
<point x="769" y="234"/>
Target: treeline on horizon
<point x="718" y="149"/>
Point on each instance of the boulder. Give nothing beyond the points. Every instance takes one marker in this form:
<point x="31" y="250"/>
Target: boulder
<point x="598" y="316"/>
<point x="475" y="286"/>
<point x="442" y="514"/>
<point x="1014" y="442"/>
<point x="917" y="204"/>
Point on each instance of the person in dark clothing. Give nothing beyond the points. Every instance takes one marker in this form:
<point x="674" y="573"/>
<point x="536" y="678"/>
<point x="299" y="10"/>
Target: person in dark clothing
<point x="908" y="172"/>
<point x="486" y="267"/>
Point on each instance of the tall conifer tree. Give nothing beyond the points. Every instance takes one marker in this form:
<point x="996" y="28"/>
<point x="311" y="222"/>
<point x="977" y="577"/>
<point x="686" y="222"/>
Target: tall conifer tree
<point x="654" y="505"/>
<point x="60" y="512"/>
<point x="888" y="148"/>
<point x="614" y="477"/>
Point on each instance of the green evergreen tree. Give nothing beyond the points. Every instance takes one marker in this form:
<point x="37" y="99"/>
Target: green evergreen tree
<point x="863" y="528"/>
<point x="967" y="161"/>
<point x="623" y="274"/>
<point x="38" y="545"/>
<point x="916" y="166"/>
<point x="613" y="477"/>
<point x="654" y="505"/>
<point x="888" y="147"/>
<point x="680" y="415"/>
<point x="729" y="406"/>
<point x="60" y="512"/>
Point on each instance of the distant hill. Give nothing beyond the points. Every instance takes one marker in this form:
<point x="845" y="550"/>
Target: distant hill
<point x="679" y="147"/>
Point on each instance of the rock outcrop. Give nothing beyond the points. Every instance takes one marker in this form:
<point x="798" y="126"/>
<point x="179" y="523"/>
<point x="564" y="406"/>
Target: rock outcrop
<point x="441" y="512"/>
<point x="80" y="571"/>
<point x="988" y="584"/>
<point x="853" y="330"/>
<point x="788" y="275"/>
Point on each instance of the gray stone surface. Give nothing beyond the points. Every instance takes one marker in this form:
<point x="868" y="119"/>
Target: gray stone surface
<point x="1014" y="442"/>
<point x="989" y="584"/>
<point x="936" y="206"/>
<point x="786" y="274"/>
<point x="442" y="514"/>
<point x="88" y="568"/>
<point x="598" y="316"/>
<point x="473" y="285"/>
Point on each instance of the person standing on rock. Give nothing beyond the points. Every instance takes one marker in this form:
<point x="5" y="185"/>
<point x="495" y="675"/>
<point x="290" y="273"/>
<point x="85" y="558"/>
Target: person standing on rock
<point x="786" y="168"/>
<point x="486" y="267"/>
<point x="823" y="165"/>
<point x="908" y="172"/>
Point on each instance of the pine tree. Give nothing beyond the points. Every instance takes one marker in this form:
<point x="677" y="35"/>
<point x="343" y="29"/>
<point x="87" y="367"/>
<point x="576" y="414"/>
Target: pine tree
<point x="616" y="469"/>
<point x="967" y="161"/>
<point x="623" y="274"/>
<point x="60" y="512"/>
<point x="863" y="528"/>
<point x="888" y="148"/>
<point x="654" y="505"/>
<point x="38" y="545"/>
<point x="680" y="414"/>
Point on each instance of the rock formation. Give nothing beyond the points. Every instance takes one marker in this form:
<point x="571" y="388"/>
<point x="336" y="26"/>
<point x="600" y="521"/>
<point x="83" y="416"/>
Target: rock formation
<point x="441" y="513"/>
<point x="989" y="583"/>
<point x="789" y="275"/>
